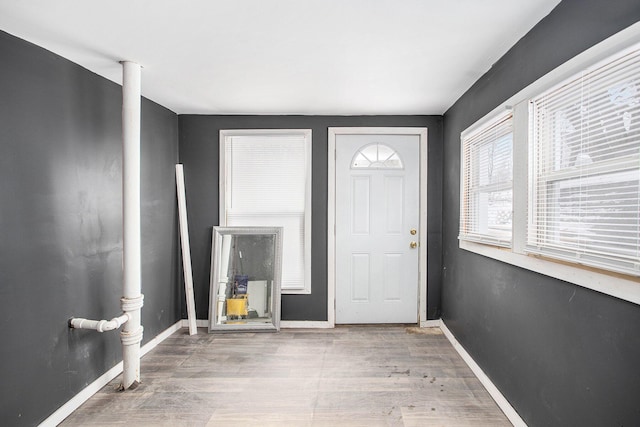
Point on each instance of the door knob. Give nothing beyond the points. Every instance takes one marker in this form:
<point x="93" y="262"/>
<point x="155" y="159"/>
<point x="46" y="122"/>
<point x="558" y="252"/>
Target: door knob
<point x="413" y="245"/>
<point x="413" y="231"/>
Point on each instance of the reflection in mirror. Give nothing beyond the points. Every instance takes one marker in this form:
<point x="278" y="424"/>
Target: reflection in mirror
<point x="245" y="279"/>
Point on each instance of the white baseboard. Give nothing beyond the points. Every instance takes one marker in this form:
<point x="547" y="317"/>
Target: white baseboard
<point x="298" y="324"/>
<point x="431" y="323"/>
<point x="160" y="337"/>
<point x="295" y="324"/>
<point x="500" y="400"/>
<point x="286" y="324"/>
<point x="200" y="323"/>
<point x="67" y="409"/>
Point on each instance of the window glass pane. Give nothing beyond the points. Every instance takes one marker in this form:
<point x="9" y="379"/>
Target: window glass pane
<point x="267" y="173"/>
<point x="376" y="156"/>
<point x="585" y="179"/>
<point x="596" y="215"/>
<point x="487" y="196"/>
<point x="266" y="184"/>
<point x="499" y="213"/>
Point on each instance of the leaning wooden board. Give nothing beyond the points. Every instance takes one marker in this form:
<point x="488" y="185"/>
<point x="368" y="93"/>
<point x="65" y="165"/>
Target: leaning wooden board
<point x="186" y="252"/>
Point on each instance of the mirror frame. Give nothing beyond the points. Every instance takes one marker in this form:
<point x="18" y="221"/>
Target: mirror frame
<point x="216" y="250"/>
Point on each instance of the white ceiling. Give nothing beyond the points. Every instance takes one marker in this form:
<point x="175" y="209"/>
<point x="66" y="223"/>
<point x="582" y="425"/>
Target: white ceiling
<point x="284" y="56"/>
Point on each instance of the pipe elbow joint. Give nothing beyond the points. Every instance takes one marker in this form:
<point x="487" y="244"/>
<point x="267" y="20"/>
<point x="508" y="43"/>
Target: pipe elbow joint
<point x="102" y="326"/>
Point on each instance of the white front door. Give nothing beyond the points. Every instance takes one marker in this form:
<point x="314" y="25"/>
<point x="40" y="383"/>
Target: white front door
<point x="377" y="220"/>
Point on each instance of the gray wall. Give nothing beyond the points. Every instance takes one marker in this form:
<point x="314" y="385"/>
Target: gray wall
<point x="561" y="354"/>
<point x="199" y="151"/>
<point x="60" y="227"/>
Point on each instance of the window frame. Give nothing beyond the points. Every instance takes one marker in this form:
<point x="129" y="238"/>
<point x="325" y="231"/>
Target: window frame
<point x="469" y="138"/>
<point x="623" y="286"/>
<point x="559" y="218"/>
<point x="224" y="138"/>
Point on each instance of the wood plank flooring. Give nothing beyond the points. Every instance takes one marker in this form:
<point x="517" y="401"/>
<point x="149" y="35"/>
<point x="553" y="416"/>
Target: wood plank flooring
<point x="347" y="376"/>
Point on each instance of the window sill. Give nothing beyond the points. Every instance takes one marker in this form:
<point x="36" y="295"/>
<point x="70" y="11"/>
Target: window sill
<point x="624" y="287"/>
<point x="295" y="291"/>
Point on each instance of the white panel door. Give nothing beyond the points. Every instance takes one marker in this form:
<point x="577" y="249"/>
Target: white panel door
<point x="377" y="209"/>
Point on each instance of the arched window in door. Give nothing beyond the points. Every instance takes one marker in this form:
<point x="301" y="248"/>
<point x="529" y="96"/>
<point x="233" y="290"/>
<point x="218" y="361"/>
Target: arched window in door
<point x="376" y="156"/>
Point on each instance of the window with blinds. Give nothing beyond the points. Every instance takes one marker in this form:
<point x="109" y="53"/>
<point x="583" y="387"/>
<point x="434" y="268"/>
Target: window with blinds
<point x="267" y="182"/>
<point x="584" y="158"/>
<point x="486" y="206"/>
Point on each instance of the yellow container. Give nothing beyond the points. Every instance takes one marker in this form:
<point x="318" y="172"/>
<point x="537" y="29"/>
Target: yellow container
<point x="237" y="306"/>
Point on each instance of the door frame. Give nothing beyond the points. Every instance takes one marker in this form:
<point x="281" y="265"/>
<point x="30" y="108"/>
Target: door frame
<point x="333" y="132"/>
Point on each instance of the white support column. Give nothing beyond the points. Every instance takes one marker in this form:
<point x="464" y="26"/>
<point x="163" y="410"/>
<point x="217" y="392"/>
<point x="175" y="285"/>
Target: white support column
<point x="132" y="300"/>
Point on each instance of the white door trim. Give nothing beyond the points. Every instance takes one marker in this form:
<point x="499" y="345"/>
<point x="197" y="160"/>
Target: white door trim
<point x="331" y="213"/>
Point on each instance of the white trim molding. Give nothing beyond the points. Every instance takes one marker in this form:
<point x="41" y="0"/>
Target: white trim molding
<point x="430" y="323"/>
<point x="496" y="395"/>
<point x="200" y="323"/>
<point x="305" y="324"/>
<point x="75" y="402"/>
<point x="421" y="132"/>
<point x="626" y="289"/>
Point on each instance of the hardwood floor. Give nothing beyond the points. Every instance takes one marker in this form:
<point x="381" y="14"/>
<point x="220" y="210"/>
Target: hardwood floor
<point x="347" y="376"/>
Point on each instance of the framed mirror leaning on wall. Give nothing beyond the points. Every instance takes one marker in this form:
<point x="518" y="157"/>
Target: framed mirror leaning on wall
<point x="246" y="269"/>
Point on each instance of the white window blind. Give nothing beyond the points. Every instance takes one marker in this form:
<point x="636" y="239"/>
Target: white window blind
<point x="267" y="184"/>
<point x="584" y="157"/>
<point x="486" y="204"/>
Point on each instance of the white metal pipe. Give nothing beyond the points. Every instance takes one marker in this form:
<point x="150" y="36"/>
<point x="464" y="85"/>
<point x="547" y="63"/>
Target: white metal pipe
<point x="99" y="325"/>
<point x="131" y="334"/>
<point x="131" y="177"/>
<point x="132" y="300"/>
